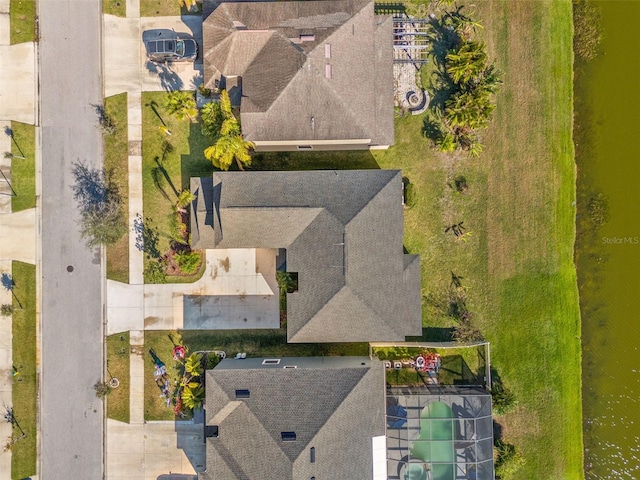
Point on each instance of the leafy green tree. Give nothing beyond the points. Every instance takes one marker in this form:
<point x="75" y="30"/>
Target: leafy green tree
<point x="182" y="104"/>
<point x="102" y="218"/>
<point x="6" y="309"/>
<point x="227" y="149"/>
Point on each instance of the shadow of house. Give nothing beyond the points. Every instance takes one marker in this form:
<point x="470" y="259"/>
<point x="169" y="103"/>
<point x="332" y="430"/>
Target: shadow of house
<point x="342" y="232"/>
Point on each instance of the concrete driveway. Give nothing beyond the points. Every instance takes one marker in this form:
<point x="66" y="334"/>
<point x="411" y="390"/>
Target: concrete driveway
<point x="237" y="290"/>
<point x="126" y="66"/>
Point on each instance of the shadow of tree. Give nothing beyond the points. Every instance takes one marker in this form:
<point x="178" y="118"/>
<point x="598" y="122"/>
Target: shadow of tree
<point x="169" y="80"/>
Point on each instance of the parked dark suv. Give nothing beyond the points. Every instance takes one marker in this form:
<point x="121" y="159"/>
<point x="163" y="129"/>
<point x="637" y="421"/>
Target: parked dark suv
<point x="170" y="48"/>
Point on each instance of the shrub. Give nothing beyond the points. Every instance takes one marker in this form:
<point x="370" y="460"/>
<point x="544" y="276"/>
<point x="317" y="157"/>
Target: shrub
<point x="461" y="184"/>
<point x="102" y="389"/>
<point x="409" y="192"/>
<point x="598" y="210"/>
<point x="154" y="272"/>
<point x="502" y="399"/>
<point x="507" y="460"/>
<point x="587" y="33"/>
<point x="6" y="310"/>
<point x="188" y="261"/>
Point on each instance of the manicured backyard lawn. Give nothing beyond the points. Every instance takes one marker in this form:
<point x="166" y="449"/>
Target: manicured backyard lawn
<point x="23" y="170"/>
<point x="116" y="163"/>
<point x="24" y="390"/>
<point x="118" y="355"/>
<point x="517" y="265"/>
<point x="22" y="15"/>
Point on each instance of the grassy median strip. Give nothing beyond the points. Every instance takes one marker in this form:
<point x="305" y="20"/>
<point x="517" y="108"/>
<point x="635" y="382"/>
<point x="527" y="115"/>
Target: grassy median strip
<point x="115" y="7"/>
<point x="118" y="361"/>
<point x="24" y="393"/>
<point x="23" y="166"/>
<point x="517" y="264"/>
<point x="116" y="161"/>
<point x="22" y="14"/>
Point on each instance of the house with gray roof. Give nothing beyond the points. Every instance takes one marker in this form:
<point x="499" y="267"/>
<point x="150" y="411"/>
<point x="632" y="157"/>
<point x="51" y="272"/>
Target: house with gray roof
<point x="295" y="418"/>
<point x="340" y="231"/>
<point x="306" y="75"/>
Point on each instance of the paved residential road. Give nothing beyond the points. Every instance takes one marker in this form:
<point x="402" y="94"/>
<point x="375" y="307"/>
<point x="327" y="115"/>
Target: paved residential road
<point x="71" y="417"/>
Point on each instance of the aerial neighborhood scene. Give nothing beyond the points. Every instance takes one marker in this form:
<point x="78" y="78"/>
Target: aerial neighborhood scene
<point x="318" y="239"/>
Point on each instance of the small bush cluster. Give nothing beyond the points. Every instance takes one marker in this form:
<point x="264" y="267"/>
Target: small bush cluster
<point x="502" y="399"/>
<point x="507" y="460"/>
<point x="587" y="33"/>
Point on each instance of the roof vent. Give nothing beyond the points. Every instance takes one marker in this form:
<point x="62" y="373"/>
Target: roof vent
<point x="211" y="431"/>
<point x="327" y="50"/>
<point x="307" y="38"/>
<point x="239" y="25"/>
<point x="312" y="452"/>
<point x="327" y="70"/>
<point x="288" y="436"/>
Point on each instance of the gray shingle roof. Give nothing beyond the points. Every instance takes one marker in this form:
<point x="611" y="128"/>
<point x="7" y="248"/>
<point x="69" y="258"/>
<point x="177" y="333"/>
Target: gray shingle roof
<point x="284" y="79"/>
<point x="335" y="405"/>
<point x="342" y="231"/>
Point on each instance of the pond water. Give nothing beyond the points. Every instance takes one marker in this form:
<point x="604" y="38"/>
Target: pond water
<point x="607" y="96"/>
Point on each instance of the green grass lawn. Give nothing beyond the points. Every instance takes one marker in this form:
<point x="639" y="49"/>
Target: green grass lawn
<point x="116" y="161"/>
<point x="155" y="408"/>
<point x="23" y="170"/>
<point x="22" y="15"/>
<point x="517" y="266"/>
<point x="173" y="167"/>
<point x="24" y="393"/>
<point x="118" y="355"/>
<point x="164" y="8"/>
<point x="115" y="7"/>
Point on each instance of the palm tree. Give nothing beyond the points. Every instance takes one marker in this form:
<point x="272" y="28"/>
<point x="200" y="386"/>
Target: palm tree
<point x="467" y="63"/>
<point x="212" y="118"/>
<point x="193" y="365"/>
<point x="184" y="199"/>
<point x="193" y="397"/>
<point x="227" y="149"/>
<point x="181" y="104"/>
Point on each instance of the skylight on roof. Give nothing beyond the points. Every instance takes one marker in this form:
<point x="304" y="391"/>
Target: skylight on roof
<point x="288" y="436"/>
